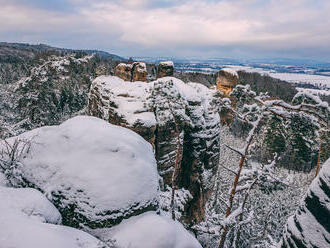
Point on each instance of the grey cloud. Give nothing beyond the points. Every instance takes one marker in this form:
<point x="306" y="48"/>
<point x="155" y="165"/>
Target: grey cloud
<point x="298" y="28"/>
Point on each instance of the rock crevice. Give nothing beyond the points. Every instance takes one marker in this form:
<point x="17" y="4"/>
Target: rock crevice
<point x="152" y="110"/>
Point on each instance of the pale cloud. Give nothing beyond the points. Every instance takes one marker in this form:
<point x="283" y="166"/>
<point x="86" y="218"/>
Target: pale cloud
<point x="145" y="27"/>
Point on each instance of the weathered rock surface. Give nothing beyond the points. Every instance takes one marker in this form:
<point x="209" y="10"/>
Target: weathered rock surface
<point x="165" y="69"/>
<point x="95" y="173"/>
<point x="132" y="72"/>
<point x="310" y="226"/>
<point x="139" y="72"/>
<point x="152" y="110"/>
<point x="124" y="71"/>
<point x="227" y="79"/>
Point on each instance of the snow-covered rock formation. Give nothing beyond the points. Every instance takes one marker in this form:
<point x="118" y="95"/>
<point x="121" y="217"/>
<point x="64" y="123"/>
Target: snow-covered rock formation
<point x="162" y="111"/>
<point x="310" y="226"/>
<point x="149" y="230"/>
<point x="95" y="173"/>
<point x="28" y="219"/>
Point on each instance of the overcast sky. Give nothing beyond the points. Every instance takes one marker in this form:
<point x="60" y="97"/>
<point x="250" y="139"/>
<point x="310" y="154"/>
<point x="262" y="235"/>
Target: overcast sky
<point x="174" y="28"/>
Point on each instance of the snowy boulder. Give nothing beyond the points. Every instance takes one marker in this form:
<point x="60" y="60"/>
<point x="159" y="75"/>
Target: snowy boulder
<point x="149" y="230"/>
<point x="25" y="213"/>
<point x="165" y="69"/>
<point x="153" y="109"/>
<point x="310" y="225"/>
<point x="95" y="173"/>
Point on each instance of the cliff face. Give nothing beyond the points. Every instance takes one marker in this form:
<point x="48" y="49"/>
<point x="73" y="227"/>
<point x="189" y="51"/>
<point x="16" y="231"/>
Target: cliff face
<point x="161" y="111"/>
<point x="132" y="72"/>
<point x="310" y="226"/>
<point x="226" y="80"/>
<point x="165" y="69"/>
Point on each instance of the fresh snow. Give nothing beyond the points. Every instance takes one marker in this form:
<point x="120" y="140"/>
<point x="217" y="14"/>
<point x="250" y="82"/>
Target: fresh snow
<point x="135" y="109"/>
<point x="27" y="202"/>
<point x="96" y="165"/>
<point x="133" y="100"/>
<point x="24" y="233"/>
<point x="149" y="230"/>
<point x="25" y="213"/>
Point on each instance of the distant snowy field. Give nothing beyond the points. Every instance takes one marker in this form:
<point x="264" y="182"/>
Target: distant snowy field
<point x="321" y="82"/>
<point x="317" y="80"/>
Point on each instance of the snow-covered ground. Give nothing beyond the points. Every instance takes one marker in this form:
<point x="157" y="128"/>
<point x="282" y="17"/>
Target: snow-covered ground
<point x="306" y="76"/>
<point x="314" y="91"/>
<point x="317" y="80"/>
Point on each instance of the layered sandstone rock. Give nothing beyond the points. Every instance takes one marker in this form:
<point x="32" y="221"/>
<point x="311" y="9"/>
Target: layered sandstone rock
<point x="152" y="110"/>
<point x="124" y="71"/>
<point x="132" y="72"/>
<point x="310" y="226"/>
<point x="165" y="69"/>
<point x="227" y="79"/>
<point x="139" y="72"/>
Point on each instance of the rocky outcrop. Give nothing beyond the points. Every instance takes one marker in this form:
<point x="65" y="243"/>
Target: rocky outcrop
<point x="139" y="72"/>
<point x="95" y="173"/>
<point x="152" y="110"/>
<point x="165" y="69"/>
<point x="132" y="72"/>
<point x="124" y="71"/>
<point x="310" y="226"/>
<point x="227" y="79"/>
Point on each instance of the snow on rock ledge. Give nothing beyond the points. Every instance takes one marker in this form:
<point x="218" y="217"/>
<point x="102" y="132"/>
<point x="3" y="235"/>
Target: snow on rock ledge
<point x="95" y="173"/>
<point x="149" y="230"/>
<point x="310" y="226"/>
<point x="25" y="213"/>
<point x="149" y="109"/>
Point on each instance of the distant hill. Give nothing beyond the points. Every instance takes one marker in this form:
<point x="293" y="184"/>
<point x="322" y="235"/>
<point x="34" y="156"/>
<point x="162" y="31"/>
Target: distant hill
<point x="14" y="52"/>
